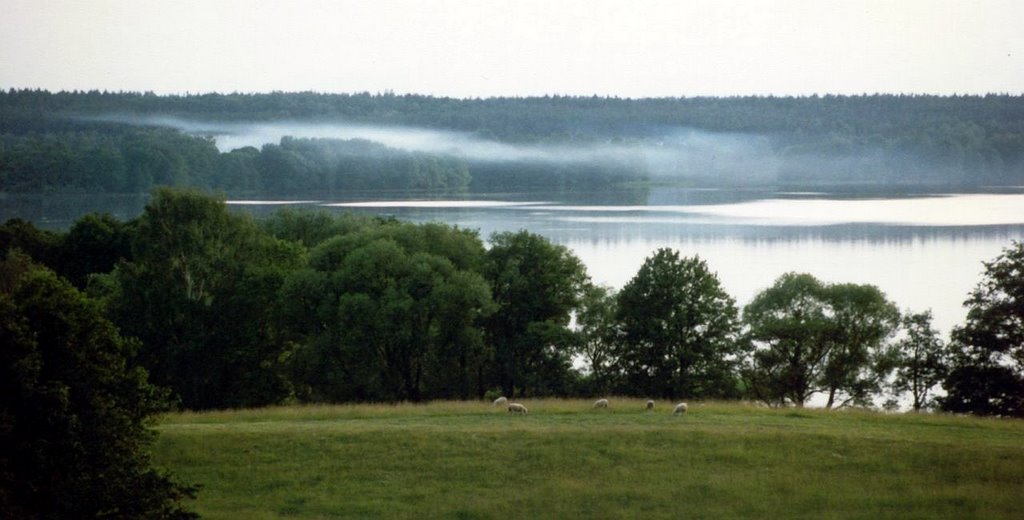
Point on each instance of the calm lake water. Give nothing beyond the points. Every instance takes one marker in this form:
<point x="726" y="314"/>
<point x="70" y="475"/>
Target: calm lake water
<point x="924" y="250"/>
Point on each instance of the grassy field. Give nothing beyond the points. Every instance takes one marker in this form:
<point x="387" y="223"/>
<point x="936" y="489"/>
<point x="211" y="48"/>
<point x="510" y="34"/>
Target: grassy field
<point x="566" y="460"/>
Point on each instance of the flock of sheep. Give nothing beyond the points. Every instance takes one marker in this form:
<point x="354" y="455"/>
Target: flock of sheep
<point x="517" y="408"/>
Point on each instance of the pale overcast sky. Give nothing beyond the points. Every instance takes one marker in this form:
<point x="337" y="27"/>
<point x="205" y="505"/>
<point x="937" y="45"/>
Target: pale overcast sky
<point x="469" y="48"/>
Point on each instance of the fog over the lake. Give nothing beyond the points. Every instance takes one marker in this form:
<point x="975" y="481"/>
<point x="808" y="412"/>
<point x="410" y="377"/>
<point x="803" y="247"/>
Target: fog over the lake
<point x="669" y="152"/>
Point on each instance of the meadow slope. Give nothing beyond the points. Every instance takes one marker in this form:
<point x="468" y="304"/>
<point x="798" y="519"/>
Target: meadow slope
<point x="566" y="460"/>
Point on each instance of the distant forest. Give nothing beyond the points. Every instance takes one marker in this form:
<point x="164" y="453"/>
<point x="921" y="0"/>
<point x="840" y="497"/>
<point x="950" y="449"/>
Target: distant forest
<point x="82" y="141"/>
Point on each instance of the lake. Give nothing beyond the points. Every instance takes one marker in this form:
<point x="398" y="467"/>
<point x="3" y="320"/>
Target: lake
<point x="924" y="250"/>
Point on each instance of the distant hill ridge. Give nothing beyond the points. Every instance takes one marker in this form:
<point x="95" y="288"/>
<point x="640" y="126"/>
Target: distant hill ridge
<point x="54" y="141"/>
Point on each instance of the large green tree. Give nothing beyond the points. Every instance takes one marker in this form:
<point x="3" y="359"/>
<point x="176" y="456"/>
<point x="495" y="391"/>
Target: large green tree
<point x="987" y="375"/>
<point x="390" y="312"/>
<point x="200" y="292"/>
<point x="812" y="337"/>
<point x="74" y="410"/>
<point x="536" y="285"/>
<point x="863" y="319"/>
<point x="679" y="330"/>
<point x="789" y="325"/>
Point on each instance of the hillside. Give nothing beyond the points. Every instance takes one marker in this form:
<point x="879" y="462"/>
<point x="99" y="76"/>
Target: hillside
<point x="304" y="141"/>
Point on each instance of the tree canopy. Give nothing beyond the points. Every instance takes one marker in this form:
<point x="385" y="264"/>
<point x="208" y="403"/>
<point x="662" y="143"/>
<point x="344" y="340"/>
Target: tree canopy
<point x="814" y="337"/>
<point x="200" y="292"/>
<point x="391" y="312"/>
<point x="536" y="286"/>
<point x="74" y="408"/>
<point x="679" y="330"/>
<point x="987" y="375"/>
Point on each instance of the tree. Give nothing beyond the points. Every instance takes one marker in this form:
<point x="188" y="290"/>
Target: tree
<point x="679" y="330"/>
<point x="387" y="313"/>
<point x="74" y="412"/>
<point x="456" y="362"/>
<point x="200" y="293"/>
<point x="536" y="286"/>
<point x="597" y="331"/>
<point x="919" y="359"/>
<point x="94" y="244"/>
<point x="788" y="323"/>
<point x="310" y="228"/>
<point x="862" y="320"/>
<point x="41" y="245"/>
<point x="408" y="310"/>
<point x="987" y="375"/>
<point x="812" y="337"/>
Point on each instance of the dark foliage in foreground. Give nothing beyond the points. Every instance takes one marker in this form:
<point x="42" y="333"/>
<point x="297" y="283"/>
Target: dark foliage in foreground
<point x="73" y="410"/>
<point x="987" y="376"/>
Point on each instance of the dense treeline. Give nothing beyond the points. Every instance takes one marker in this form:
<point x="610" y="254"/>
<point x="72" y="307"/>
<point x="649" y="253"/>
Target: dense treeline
<point x="53" y="141"/>
<point x="310" y="307"/>
<point x="75" y="407"/>
<point x="531" y="119"/>
<point x="136" y="159"/>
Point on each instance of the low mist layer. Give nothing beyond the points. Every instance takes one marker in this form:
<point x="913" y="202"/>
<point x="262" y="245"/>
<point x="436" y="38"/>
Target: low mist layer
<point x="658" y="153"/>
<point x="679" y="152"/>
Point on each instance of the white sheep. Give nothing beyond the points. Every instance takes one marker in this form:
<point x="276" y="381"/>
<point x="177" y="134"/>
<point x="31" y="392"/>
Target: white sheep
<point x="680" y="409"/>
<point x="650" y="404"/>
<point x="517" y="408"/>
<point x="500" y="401"/>
<point x="601" y="403"/>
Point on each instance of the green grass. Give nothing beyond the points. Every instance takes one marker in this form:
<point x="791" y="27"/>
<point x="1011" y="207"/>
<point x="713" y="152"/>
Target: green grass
<point x="565" y="460"/>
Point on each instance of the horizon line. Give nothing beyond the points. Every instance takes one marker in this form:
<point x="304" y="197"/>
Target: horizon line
<point x="391" y="93"/>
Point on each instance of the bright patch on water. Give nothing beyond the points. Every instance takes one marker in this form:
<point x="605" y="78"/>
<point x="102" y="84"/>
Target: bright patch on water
<point x="959" y="210"/>
<point x="269" y="202"/>
<point x="443" y="204"/>
<point x="945" y="210"/>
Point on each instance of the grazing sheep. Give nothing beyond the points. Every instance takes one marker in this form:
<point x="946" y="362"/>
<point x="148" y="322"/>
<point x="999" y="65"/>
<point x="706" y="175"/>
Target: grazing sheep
<point x="601" y="403"/>
<point x="500" y="401"/>
<point x="517" y="408"/>
<point x="680" y="409"/>
<point x="650" y="404"/>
